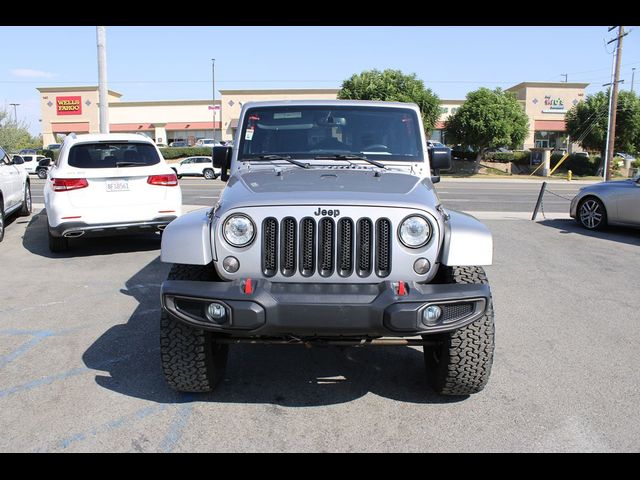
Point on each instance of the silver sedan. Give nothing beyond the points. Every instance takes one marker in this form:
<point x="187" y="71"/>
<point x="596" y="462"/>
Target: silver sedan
<point x="608" y="203"/>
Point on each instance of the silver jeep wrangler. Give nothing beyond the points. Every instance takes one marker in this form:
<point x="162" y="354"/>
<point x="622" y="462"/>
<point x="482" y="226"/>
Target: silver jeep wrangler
<point x="329" y="231"/>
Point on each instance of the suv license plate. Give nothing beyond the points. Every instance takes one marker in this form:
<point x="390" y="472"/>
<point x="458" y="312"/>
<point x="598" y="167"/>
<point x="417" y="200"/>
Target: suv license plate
<point x="117" y="185"/>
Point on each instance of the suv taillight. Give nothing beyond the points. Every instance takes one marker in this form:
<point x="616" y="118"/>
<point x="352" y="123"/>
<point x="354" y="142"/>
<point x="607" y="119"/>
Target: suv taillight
<point x="167" y="180"/>
<point x="66" y="184"/>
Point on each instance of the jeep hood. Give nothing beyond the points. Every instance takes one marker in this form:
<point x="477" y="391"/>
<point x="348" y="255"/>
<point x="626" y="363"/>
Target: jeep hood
<point x="327" y="186"/>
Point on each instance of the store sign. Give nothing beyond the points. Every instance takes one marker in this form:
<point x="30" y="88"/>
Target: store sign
<point x="553" y="105"/>
<point x="69" y="105"/>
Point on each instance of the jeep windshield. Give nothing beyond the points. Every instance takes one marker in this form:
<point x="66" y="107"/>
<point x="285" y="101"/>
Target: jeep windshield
<point x="331" y="132"/>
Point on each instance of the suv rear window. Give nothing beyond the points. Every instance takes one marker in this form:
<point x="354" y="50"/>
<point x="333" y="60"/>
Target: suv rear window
<point x="112" y="155"/>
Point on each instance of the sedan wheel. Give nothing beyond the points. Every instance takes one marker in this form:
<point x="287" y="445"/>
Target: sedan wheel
<point x="592" y="214"/>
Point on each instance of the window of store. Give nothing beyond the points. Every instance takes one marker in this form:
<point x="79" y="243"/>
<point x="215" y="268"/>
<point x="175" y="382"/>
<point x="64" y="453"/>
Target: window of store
<point x="547" y="139"/>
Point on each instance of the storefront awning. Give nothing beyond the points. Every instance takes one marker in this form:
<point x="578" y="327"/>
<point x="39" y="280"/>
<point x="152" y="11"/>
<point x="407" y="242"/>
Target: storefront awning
<point x="130" y="127"/>
<point x="75" y="127"/>
<point x="550" y="125"/>
<point x="191" y="125"/>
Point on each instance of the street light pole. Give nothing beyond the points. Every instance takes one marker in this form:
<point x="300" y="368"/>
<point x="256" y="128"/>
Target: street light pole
<point x="213" y="96"/>
<point x="633" y="74"/>
<point x="15" y="112"/>
<point x="101" y="36"/>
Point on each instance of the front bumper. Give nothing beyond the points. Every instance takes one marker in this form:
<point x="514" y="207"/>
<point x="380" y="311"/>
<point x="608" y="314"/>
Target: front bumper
<point x="82" y="229"/>
<point x="323" y="310"/>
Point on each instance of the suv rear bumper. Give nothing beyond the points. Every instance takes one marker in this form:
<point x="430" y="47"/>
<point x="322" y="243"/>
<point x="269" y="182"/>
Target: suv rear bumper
<point x="323" y="310"/>
<point x="81" y="229"/>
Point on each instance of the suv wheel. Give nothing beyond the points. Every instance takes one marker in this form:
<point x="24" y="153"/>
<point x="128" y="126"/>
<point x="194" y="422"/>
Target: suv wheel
<point x="27" y="205"/>
<point x="42" y="173"/>
<point x="209" y="174"/>
<point x="192" y="360"/>
<point x="57" y="244"/>
<point x="460" y="361"/>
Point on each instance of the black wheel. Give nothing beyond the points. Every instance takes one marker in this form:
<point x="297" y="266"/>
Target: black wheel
<point x="42" y="173"/>
<point x="27" y="204"/>
<point x="591" y="214"/>
<point x="1" y="220"/>
<point x="209" y="174"/>
<point x="192" y="360"/>
<point x="57" y="244"/>
<point x="460" y="361"/>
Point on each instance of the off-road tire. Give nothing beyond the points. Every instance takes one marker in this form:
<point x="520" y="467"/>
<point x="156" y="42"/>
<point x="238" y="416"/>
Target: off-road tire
<point x="192" y="360"/>
<point x="27" y="202"/>
<point x="460" y="361"/>
<point x="57" y="244"/>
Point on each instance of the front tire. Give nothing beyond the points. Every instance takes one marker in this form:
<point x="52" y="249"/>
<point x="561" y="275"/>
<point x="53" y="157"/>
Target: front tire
<point x="460" y="361"/>
<point x="591" y="214"/>
<point x="27" y="203"/>
<point x="209" y="174"/>
<point x="192" y="360"/>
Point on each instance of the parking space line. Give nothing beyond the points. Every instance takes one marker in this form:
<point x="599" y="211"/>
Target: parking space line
<point x="25" y="347"/>
<point x="177" y="427"/>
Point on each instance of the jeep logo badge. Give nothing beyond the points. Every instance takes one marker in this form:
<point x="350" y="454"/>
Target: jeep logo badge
<point x="326" y="213"/>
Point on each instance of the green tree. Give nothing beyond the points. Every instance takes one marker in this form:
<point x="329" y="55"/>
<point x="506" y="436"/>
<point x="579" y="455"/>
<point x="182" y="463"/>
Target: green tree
<point x="393" y="86"/>
<point x="15" y="136"/>
<point x="587" y="122"/>
<point x="488" y="119"/>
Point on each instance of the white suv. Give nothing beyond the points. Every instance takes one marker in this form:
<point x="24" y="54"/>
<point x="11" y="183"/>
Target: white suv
<point x="109" y="184"/>
<point x="15" y="189"/>
<point x="196" y="167"/>
<point x="31" y="162"/>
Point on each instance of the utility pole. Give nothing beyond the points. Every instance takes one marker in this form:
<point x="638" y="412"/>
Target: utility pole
<point x="213" y="96"/>
<point x="15" y="112"/>
<point x="613" y="104"/>
<point x="101" y="36"/>
<point x="633" y="74"/>
<point x="566" y="76"/>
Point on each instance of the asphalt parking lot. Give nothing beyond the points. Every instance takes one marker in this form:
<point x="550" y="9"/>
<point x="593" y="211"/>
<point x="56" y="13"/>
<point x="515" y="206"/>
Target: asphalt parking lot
<point x="80" y="370"/>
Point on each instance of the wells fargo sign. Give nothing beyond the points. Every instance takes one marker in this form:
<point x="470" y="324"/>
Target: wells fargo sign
<point x="69" y="105"/>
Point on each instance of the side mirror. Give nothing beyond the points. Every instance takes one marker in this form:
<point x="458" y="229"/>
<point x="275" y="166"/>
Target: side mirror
<point x="222" y="160"/>
<point x="440" y="158"/>
<point x="18" y="161"/>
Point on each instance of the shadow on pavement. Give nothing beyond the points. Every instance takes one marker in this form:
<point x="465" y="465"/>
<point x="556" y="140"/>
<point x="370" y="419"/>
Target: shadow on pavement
<point x="626" y="235"/>
<point x="292" y="376"/>
<point x="36" y="241"/>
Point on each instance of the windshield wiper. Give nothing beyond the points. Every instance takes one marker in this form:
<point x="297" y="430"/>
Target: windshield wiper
<point x="279" y="157"/>
<point x="130" y="164"/>
<point x="342" y="156"/>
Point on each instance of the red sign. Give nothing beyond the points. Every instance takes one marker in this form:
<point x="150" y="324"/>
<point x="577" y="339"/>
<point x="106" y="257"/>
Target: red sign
<point x="69" y="105"/>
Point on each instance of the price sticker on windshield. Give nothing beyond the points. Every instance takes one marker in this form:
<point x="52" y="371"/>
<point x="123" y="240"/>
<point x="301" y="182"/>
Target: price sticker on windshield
<point x="248" y="134"/>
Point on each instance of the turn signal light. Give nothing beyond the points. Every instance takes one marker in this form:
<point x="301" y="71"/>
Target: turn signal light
<point x="66" y="184"/>
<point x="166" y="180"/>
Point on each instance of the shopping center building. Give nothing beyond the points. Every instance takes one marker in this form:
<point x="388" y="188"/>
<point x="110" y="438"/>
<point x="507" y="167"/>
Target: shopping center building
<point x="75" y="109"/>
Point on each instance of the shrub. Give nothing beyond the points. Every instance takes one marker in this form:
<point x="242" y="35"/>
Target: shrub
<point x="578" y="164"/>
<point x="170" y="153"/>
<point x="52" y="154"/>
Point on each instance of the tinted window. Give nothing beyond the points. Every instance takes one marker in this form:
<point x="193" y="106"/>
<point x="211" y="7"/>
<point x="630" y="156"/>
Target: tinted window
<point x="204" y="160"/>
<point x="113" y="154"/>
<point x="3" y="157"/>
<point x="308" y="131"/>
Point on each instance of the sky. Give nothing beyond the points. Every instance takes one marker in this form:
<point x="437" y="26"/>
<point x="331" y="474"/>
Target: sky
<point x="174" y="63"/>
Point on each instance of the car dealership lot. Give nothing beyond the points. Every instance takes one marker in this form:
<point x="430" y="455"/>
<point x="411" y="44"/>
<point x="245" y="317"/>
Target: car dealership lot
<point x="79" y="366"/>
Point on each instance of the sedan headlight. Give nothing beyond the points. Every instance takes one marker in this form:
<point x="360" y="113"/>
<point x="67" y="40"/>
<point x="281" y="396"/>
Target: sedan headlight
<point x="414" y="231"/>
<point x="238" y="230"/>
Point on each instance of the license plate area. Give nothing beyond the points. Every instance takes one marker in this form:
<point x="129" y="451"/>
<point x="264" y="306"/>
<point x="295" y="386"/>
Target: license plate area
<point x="117" y="185"/>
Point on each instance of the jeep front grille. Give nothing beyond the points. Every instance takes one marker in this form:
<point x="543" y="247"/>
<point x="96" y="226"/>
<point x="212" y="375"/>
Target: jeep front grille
<point x="344" y="247"/>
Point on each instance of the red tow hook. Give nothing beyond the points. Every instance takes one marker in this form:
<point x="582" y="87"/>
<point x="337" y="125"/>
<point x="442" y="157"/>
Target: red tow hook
<point x="248" y="287"/>
<point x="402" y="289"/>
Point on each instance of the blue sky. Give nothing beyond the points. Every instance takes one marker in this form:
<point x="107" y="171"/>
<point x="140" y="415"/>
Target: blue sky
<point x="173" y="63"/>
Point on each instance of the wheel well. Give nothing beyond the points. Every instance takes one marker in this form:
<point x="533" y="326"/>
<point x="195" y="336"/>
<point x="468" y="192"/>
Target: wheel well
<point x="588" y="197"/>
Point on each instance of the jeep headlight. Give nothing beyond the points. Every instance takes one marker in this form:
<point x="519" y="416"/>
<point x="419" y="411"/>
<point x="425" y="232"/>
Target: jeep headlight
<point x="414" y="231"/>
<point x="238" y="230"/>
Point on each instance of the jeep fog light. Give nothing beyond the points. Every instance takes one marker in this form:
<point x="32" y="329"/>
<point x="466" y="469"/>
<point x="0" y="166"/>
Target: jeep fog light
<point x="431" y="315"/>
<point x="216" y="312"/>
<point x="238" y="230"/>
<point x="421" y="266"/>
<point x="414" y="231"/>
<point x="231" y="264"/>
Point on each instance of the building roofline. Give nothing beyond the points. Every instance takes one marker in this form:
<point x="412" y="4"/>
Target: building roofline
<point x="151" y="103"/>
<point x="548" y="84"/>
<point x="280" y="90"/>
<point x="75" y="89"/>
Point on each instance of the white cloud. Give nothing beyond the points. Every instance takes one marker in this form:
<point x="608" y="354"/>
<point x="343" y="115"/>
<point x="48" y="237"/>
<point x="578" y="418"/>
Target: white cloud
<point x="30" y="73"/>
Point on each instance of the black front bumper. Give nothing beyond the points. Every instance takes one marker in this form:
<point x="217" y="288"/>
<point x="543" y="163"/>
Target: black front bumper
<point x="324" y="310"/>
<point x="82" y="229"/>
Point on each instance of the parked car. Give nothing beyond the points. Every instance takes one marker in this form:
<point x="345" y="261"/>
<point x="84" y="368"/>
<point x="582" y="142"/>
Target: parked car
<point x="608" y="203"/>
<point x="161" y="145"/>
<point x="31" y="162"/>
<point x="109" y="184"/>
<point x="179" y="143"/>
<point x="43" y="167"/>
<point x="15" y="188"/>
<point x="196" y="167"/>
<point x="207" y="142"/>
<point x="28" y="151"/>
<point x="433" y="143"/>
<point x="625" y="156"/>
<point x="54" y="146"/>
<point x="498" y="150"/>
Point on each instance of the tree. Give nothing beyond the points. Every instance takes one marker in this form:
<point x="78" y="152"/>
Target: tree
<point x="393" y="86"/>
<point x="488" y="119"/>
<point x="15" y="135"/>
<point x="587" y="122"/>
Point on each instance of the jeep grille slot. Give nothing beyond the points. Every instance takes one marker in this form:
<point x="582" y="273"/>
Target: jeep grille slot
<point x="307" y="246"/>
<point x="326" y="247"/>
<point x="269" y="246"/>
<point x="383" y="247"/>
<point x="365" y="240"/>
<point x="288" y="247"/>
<point x="345" y="247"/>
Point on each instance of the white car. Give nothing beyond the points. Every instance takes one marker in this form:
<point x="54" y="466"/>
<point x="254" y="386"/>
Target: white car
<point x="15" y="189"/>
<point x="31" y="162"/>
<point x="196" y="167"/>
<point x="207" y="142"/>
<point x="109" y="184"/>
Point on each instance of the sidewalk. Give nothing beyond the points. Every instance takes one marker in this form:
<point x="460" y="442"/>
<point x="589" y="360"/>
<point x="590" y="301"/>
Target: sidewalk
<point x="517" y="179"/>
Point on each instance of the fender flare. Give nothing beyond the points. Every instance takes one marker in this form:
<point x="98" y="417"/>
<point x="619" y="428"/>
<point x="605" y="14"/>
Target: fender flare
<point x="187" y="239"/>
<point x="467" y="241"/>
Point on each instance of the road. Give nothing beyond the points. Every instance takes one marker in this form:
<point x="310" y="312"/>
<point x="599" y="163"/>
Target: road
<point x="459" y="194"/>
